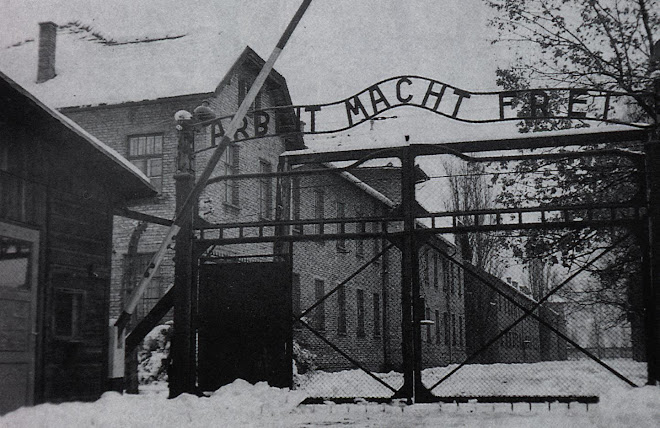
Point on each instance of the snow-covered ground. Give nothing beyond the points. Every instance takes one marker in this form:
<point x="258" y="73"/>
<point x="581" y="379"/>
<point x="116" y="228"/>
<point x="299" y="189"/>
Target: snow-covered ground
<point x="573" y="377"/>
<point x="241" y="404"/>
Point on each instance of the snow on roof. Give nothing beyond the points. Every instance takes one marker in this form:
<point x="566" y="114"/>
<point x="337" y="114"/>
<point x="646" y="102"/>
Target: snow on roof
<point x="92" y="70"/>
<point x="105" y="150"/>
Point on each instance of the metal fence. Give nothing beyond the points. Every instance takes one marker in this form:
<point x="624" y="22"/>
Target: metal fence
<point x="508" y="300"/>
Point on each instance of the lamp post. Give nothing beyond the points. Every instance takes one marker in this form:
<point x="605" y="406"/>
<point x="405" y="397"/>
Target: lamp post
<point x="183" y="366"/>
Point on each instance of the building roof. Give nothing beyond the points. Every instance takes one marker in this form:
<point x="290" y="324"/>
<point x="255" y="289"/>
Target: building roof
<point x="124" y="177"/>
<point x="92" y="70"/>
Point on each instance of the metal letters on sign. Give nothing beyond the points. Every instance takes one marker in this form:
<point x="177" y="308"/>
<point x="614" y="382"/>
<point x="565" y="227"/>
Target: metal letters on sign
<point x="440" y="98"/>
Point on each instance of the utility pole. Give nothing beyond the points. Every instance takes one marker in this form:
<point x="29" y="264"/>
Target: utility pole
<point x="183" y="362"/>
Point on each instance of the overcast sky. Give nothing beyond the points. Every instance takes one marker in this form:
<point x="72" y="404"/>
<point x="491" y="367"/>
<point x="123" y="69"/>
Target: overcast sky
<point x="340" y="47"/>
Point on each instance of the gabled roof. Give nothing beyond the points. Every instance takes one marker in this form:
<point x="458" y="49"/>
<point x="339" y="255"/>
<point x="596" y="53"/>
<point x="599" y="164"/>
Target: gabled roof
<point x="124" y="177"/>
<point x="93" y="70"/>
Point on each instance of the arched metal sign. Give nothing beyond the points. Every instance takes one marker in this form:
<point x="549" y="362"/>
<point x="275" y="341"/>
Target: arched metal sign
<point x="443" y="99"/>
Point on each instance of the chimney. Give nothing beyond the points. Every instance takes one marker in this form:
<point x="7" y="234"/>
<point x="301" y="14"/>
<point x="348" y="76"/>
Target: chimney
<point x="46" y="60"/>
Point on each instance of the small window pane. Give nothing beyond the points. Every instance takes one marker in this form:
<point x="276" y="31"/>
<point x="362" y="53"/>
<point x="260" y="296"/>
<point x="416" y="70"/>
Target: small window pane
<point x="14" y="262"/>
<point x="158" y="144"/>
<point x="142" y="146"/>
<point x="157" y="182"/>
<point x="150" y="145"/>
<point x="141" y="164"/>
<point x="155" y="167"/>
<point x="132" y="147"/>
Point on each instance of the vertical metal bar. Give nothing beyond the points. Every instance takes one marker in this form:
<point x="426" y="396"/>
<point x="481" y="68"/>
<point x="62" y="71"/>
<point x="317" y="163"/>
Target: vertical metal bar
<point x="407" y="273"/>
<point x="183" y="369"/>
<point x="650" y="261"/>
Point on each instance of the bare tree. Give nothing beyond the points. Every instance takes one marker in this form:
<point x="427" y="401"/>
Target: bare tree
<point x="469" y="190"/>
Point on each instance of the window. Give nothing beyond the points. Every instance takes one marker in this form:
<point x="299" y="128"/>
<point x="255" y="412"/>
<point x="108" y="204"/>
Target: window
<point x="295" y="297"/>
<point x="437" y="327"/>
<point x="295" y="204"/>
<point x="460" y="331"/>
<point x="146" y="152"/>
<point x="435" y="270"/>
<point x="445" y="270"/>
<point x="67" y="313"/>
<point x="360" y="313"/>
<point x="319" y="209"/>
<point x="265" y="196"/>
<point x="377" y="332"/>
<point x="230" y="165"/>
<point x="428" y="326"/>
<point x="15" y="266"/>
<point x="319" y="311"/>
<point x="341" y="227"/>
<point x="453" y="329"/>
<point x="341" y="311"/>
<point x="445" y="321"/>
<point x="135" y="267"/>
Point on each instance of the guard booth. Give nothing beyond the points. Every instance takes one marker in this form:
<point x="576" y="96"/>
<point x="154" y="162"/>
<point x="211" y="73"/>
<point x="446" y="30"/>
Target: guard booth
<point x="245" y="321"/>
<point x="55" y="243"/>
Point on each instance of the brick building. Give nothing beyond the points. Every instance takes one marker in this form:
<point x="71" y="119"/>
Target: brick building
<point x="363" y="317"/>
<point x="126" y="94"/>
<point x="488" y="313"/>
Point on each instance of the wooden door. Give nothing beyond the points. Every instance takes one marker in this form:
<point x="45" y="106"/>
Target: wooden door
<point x="19" y="255"/>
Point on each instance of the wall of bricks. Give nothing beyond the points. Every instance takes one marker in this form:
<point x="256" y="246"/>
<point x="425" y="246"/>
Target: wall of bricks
<point x="332" y="262"/>
<point x="442" y="284"/>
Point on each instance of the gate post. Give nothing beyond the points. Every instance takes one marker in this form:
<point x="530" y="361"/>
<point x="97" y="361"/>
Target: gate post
<point x="652" y="275"/>
<point x="412" y="311"/>
<point x="183" y="367"/>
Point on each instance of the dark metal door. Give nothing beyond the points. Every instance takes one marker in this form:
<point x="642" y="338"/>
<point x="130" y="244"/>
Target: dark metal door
<point x="244" y="324"/>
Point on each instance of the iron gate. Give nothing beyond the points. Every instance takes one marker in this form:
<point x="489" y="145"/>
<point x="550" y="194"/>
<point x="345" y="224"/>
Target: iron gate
<point x="385" y="306"/>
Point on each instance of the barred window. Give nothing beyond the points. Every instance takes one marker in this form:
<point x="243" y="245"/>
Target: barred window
<point x="146" y="153"/>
